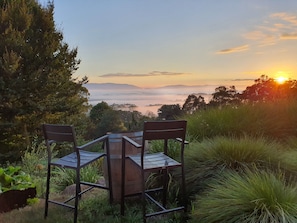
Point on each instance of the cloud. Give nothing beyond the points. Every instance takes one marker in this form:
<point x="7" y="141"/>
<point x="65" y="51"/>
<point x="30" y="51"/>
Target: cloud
<point x="234" y="49"/>
<point x="244" y="79"/>
<point x="153" y="73"/>
<point x="278" y="26"/>
<point x="292" y="19"/>
<point x="287" y="36"/>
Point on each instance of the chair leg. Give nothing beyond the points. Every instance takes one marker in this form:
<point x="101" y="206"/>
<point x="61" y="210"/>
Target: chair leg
<point x="47" y="191"/>
<point x="165" y="187"/>
<point x="184" y="200"/>
<point x="109" y="179"/>
<point x="77" y="195"/>
<point x="143" y="197"/>
<point x="123" y="187"/>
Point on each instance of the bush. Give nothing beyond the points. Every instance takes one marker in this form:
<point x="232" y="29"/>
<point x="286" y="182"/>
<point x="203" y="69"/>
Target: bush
<point x="208" y="159"/>
<point x="252" y="197"/>
<point x="271" y="119"/>
<point x="34" y="161"/>
<point x="63" y="177"/>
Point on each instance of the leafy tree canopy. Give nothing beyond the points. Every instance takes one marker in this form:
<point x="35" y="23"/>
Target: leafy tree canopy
<point x="169" y="112"/>
<point x="36" y="67"/>
<point x="193" y="103"/>
<point x="267" y="89"/>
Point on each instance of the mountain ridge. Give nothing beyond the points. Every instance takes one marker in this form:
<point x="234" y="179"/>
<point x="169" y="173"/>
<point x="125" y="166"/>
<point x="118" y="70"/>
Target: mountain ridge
<point x="130" y="86"/>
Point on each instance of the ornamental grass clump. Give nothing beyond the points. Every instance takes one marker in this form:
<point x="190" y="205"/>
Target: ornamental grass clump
<point x="250" y="197"/>
<point x="208" y="159"/>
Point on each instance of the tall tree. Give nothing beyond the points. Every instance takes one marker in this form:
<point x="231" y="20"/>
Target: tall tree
<point x="267" y="89"/>
<point x="36" y="73"/>
<point x="170" y="112"/>
<point x="224" y="96"/>
<point x="193" y="103"/>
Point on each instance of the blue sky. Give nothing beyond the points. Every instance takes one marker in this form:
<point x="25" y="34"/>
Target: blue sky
<point x="163" y="42"/>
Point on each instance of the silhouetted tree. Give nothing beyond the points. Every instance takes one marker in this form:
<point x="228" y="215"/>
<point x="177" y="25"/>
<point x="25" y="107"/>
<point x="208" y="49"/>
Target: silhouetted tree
<point x="267" y="89"/>
<point x="224" y="96"/>
<point x="169" y="112"/>
<point x="193" y="103"/>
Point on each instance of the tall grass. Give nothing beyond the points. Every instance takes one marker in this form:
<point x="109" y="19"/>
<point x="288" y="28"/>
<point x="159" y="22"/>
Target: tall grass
<point x="252" y="197"/>
<point x="272" y="119"/>
<point x="208" y="159"/>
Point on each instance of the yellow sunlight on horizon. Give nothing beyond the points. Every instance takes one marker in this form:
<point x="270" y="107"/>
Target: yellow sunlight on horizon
<point x="281" y="79"/>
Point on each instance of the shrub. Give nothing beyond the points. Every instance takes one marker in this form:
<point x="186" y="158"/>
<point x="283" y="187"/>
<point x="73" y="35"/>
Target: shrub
<point x="208" y="159"/>
<point x="34" y="161"/>
<point x="252" y="197"/>
<point x="65" y="177"/>
<point x="13" y="178"/>
<point x="272" y="119"/>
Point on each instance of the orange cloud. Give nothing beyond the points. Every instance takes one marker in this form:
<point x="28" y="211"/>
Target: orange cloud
<point x="286" y="17"/>
<point x="286" y="36"/>
<point x="233" y="50"/>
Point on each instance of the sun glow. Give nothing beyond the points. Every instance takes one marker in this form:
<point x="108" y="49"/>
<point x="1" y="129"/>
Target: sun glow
<point x="281" y="79"/>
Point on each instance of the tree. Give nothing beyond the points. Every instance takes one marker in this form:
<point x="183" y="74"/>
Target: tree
<point x="110" y="122"/>
<point x="36" y="67"/>
<point x="224" y="96"/>
<point x="98" y="110"/>
<point x="193" y="103"/>
<point x="267" y="89"/>
<point x="169" y="112"/>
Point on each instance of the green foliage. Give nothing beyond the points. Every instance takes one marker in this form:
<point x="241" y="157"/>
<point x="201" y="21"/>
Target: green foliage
<point x="252" y="197"/>
<point x="97" y="207"/>
<point x="105" y="118"/>
<point x="169" y="112"/>
<point x="272" y="119"/>
<point x="66" y="177"/>
<point x="174" y="149"/>
<point x="207" y="160"/>
<point x="97" y="111"/>
<point x="34" y="161"/>
<point x="13" y="178"/>
<point x="32" y="201"/>
<point x="36" y="83"/>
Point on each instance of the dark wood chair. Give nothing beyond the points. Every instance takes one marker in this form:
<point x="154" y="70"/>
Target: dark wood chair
<point x="156" y="162"/>
<point x="76" y="160"/>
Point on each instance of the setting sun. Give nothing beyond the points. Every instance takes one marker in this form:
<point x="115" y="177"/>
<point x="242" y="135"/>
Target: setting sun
<point x="281" y="79"/>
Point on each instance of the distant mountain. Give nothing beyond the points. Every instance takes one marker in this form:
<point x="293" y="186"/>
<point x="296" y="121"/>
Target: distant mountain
<point x="182" y="86"/>
<point x="109" y="86"/>
<point x="133" y="87"/>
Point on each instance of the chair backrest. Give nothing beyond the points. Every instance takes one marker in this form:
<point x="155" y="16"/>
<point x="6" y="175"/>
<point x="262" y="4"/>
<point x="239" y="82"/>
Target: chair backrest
<point x="164" y="130"/>
<point x="59" y="134"/>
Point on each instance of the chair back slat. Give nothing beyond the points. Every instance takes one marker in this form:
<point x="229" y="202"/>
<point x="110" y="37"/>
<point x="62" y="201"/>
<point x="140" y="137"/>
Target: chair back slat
<point x="59" y="133"/>
<point x="164" y="130"/>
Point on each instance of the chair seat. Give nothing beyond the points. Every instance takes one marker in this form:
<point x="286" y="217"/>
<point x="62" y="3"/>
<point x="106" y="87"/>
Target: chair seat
<point x="155" y="161"/>
<point x="70" y="160"/>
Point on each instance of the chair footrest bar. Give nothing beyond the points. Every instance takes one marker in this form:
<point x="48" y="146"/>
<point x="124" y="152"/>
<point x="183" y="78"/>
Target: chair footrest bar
<point x="164" y="211"/>
<point x="61" y="204"/>
<point x="154" y="190"/>
<point x="94" y="185"/>
<point x="155" y="202"/>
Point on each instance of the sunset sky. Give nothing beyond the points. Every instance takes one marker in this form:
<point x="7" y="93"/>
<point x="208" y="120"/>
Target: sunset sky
<point x="191" y="42"/>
